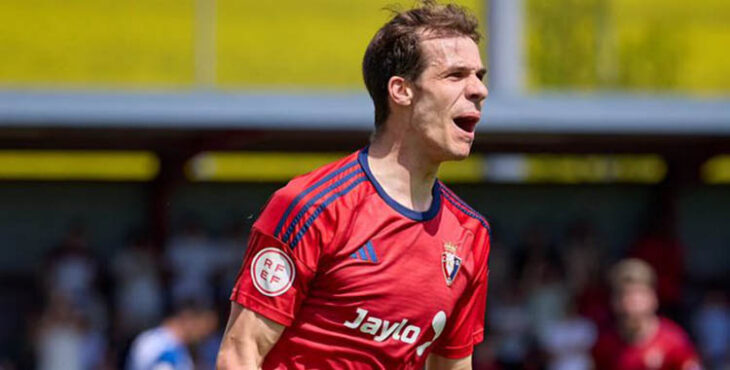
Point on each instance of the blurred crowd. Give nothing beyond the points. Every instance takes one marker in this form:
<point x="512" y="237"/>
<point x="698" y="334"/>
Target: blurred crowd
<point x="93" y="308"/>
<point x="551" y="299"/>
<point x="548" y="298"/>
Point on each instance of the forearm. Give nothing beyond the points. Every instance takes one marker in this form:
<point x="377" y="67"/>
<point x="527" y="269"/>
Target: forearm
<point x="247" y="340"/>
<point x="238" y="353"/>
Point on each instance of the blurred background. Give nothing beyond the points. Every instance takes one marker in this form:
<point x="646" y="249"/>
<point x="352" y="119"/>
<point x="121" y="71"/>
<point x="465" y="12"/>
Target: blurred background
<point x="139" y="140"/>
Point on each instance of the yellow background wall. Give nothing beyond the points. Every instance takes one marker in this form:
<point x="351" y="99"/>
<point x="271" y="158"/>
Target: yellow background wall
<point x="645" y="45"/>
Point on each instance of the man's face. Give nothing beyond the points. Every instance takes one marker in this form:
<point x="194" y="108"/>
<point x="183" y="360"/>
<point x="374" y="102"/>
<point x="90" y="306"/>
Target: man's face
<point x="198" y="325"/>
<point x="448" y="97"/>
<point x="635" y="301"/>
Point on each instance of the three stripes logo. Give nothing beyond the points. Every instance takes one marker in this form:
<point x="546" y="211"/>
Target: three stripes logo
<point x="366" y="253"/>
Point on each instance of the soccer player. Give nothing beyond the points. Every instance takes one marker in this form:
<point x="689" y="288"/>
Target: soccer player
<point x="370" y="262"/>
<point x="165" y="347"/>
<point x="641" y="339"/>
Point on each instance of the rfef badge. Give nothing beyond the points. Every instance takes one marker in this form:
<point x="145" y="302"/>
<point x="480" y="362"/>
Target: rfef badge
<point x="450" y="263"/>
<point x="272" y="272"/>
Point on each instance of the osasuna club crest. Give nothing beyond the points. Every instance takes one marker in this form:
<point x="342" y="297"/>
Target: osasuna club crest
<point x="450" y="263"/>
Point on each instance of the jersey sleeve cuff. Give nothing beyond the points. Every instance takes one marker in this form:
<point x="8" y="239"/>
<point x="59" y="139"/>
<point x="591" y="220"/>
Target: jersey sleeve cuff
<point x="457" y="352"/>
<point x="454" y="352"/>
<point x="478" y="336"/>
<point x="261" y="308"/>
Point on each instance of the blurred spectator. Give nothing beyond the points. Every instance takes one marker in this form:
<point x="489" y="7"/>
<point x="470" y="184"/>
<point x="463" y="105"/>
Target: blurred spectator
<point x="139" y="293"/>
<point x="485" y="357"/>
<point x="568" y="341"/>
<point x="510" y="324"/>
<point x="581" y="255"/>
<point x="712" y="329"/>
<point x="660" y="248"/>
<point x="531" y="256"/>
<point x="207" y="351"/>
<point x="70" y="268"/>
<point x="581" y="258"/>
<point x="192" y="260"/>
<point x="641" y="339"/>
<point x="58" y="338"/>
<point x="71" y="275"/>
<point x="166" y="346"/>
<point x="65" y="340"/>
<point x="547" y="295"/>
<point x="230" y="252"/>
<point x="502" y="273"/>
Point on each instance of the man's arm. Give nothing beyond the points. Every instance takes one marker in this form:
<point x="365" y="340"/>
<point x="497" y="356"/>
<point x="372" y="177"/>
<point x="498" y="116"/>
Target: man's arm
<point x="248" y="338"/>
<point x="436" y="362"/>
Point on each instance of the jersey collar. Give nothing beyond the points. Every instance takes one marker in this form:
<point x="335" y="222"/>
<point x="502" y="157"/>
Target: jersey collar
<point x="414" y="215"/>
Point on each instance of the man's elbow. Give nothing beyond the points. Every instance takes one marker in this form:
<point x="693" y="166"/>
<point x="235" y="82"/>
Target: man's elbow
<point x="237" y="355"/>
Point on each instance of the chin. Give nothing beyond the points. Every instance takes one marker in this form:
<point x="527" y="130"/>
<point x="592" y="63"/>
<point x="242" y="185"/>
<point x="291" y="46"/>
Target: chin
<point x="462" y="151"/>
<point x="458" y="154"/>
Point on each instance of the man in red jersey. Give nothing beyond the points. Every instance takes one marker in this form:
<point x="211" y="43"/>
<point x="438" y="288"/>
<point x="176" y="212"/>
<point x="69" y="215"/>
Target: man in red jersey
<point x="641" y="339"/>
<point x="370" y="262"/>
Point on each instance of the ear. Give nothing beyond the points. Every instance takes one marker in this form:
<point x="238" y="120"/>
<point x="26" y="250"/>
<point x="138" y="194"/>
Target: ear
<point x="400" y="91"/>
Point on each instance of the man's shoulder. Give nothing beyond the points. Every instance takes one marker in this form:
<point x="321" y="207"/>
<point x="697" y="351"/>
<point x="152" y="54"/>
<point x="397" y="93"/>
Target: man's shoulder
<point x="320" y="178"/>
<point x="301" y="198"/>
<point x="676" y="342"/>
<point x="467" y="215"/>
<point x="151" y="345"/>
<point x="670" y="331"/>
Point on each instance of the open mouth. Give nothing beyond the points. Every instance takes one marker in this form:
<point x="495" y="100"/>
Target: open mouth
<point x="467" y="122"/>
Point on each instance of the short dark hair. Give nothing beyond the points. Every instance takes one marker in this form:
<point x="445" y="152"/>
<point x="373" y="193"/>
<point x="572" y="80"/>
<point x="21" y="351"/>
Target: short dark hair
<point x="395" y="49"/>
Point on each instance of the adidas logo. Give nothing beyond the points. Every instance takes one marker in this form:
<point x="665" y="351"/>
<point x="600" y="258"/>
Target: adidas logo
<point x="366" y="253"/>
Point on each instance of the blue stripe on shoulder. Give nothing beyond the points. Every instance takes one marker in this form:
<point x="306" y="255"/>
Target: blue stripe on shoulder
<point x="307" y="191"/>
<point x="305" y="208"/>
<point x="322" y="207"/>
<point x="466" y="209"/>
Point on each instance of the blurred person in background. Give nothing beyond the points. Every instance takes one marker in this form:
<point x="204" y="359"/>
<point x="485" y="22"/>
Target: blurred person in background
<point x="567" y="341"/>
<point x="640" y="338"/>
<point x="485" y="357"/>
<point x="581" y="256"/>
<point x="71" y="269"/>
<point x="659" y="246"/>
<point x="231" y="249"/>
<point x="510" y="324"/>
<point x="711" y="324"/>
<point x="192" y="260"/>
<point x="138" y="298"/>
<point x="166" y="347"/>
<point x="64" y="339"/>
<point x="76" y="313"/>
<point x="547" y="294"/>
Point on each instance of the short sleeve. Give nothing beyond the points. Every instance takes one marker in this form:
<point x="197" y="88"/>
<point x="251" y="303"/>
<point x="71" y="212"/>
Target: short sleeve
<point x="274" y="278"/>
<point x="465" y="328"/>
<point x="683" y="356"/>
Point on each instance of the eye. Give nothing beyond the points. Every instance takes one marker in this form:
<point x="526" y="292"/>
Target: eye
<point x="481" y="74"/>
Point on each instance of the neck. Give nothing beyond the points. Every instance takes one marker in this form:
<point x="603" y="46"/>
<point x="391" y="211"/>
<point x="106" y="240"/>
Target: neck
<point x="641" y="330"/>
<point x="404" y="171"/>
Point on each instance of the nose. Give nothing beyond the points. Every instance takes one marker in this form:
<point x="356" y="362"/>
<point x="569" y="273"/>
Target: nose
<point x="476" y="90"/>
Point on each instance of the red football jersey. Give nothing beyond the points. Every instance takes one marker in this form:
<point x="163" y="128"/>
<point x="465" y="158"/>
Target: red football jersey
<point x="361" y="281"/>
<point x="668" y="349"/>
